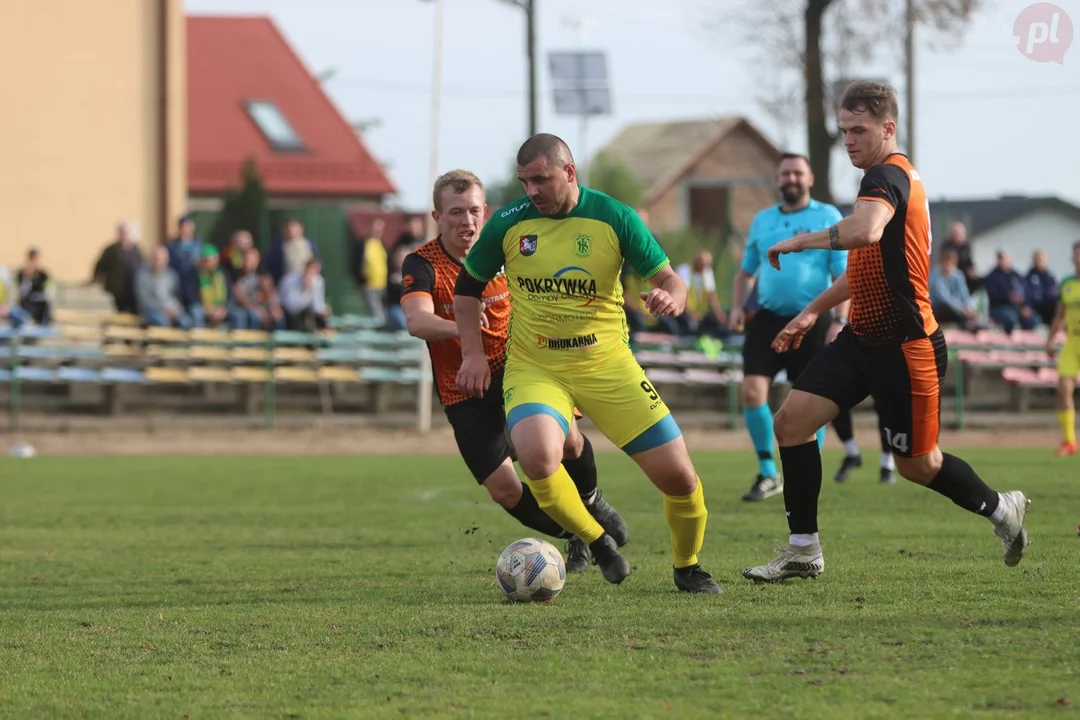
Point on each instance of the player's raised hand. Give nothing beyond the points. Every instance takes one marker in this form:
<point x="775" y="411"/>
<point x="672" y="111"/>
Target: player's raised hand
<point x="792" y="335"/>
<point x="474" y="376"/>
<point x="660" y="303"/>
<point x="783" y="248"/>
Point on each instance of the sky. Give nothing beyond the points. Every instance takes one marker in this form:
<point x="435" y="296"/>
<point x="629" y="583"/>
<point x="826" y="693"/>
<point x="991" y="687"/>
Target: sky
<point x="990" y="121"/>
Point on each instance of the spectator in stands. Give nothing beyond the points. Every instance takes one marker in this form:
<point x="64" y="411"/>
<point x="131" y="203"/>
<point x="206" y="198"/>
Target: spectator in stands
<point x="1040" y="288"/>
<point x="957" y="240"/>
<point x="255" y="303"/>
<point x="303" y="297"/>
<point x="395" y="316"/>
<point x="157" y="291"/>
<point x="703" y="315"/>
<point x="118" y="266"/>
<point x="1005" y="291"/>
<point x="370" y="266"/>
<point x="184" y="250"/>
<point x="10" y="310"/>
<point x="411" y="237"/>
<point x="35" y="289"/>
<point x="949" y="294"/>
<point x="234" y="256"/>
<point x="291" y="252"/>
<point x="212" y="310"/>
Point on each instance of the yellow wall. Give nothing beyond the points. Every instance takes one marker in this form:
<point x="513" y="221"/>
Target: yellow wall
<point x="80" y="132"/>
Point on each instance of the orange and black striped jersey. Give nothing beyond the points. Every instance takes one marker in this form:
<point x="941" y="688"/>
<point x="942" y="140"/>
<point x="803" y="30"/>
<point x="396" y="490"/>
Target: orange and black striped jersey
<point x="890" y="280"/>
<point x="430" y="270"/>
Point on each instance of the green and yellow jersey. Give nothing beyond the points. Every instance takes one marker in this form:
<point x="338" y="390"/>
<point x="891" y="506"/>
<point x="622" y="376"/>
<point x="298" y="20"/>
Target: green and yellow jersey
<point x="565" y="294"/>
<point x="1070" y="298"/>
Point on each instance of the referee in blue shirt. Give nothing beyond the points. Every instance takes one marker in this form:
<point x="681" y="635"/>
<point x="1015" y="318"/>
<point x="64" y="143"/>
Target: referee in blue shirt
<point x="782" y="294"/>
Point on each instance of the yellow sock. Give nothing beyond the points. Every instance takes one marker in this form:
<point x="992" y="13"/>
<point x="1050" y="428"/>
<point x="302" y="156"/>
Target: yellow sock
<point x="558" y="497"/>
<point x="1067" y="418"/>
<point x="686" y="515"/>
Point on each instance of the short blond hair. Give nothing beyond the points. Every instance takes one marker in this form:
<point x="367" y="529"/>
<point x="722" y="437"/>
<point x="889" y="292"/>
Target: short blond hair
<point x="458" y="181"/>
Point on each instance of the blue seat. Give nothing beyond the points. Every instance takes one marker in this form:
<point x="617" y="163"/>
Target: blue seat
<point x="5" y="376"/>
<point x="292" y="337"/>
<point x="339" y="355"/>
<point x="78" y="375"/>
<point x="121" y="375"/>
<point x="35" y="374"/>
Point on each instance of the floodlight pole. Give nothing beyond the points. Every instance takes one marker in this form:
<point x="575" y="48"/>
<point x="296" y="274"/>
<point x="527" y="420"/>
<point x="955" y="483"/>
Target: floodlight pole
<point x="423" y="400"/>
<point x="529" y="7"/>
<point x="909" y="84"/>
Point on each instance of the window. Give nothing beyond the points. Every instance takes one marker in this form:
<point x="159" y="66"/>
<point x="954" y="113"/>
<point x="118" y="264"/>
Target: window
<point x="277" y="130"/>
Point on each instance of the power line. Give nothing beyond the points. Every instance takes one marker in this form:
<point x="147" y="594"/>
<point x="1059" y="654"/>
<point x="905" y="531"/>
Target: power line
<point x="492" y="93"/>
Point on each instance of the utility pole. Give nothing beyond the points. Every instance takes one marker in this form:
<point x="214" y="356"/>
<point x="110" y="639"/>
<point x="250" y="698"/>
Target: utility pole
<point x="529" y="8"/>
<point x="530" y="48"/>
<point x="909" y="83"/>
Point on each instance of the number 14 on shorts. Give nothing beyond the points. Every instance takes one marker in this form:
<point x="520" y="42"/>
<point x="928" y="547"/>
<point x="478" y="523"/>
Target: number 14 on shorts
<point x="897" y="441"/>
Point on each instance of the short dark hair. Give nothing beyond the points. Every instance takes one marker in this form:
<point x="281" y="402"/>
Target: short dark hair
<point x="793" y="156"/>
<point x="877" y="99"/>
<point x="949" y="252"/>
<point x="547" y="146"/>
<point x="458" y="181"/>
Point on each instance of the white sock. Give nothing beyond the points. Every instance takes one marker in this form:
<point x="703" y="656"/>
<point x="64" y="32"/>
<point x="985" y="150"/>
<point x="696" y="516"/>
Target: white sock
<point x="803" y="540"/>
<point x="887" y="461"/>
<point x="851" y="448"/>
<point x="999" y="512"/>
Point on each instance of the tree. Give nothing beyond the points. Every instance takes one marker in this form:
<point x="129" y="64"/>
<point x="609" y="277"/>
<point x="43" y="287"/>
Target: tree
<point x="611" y="176"/>
<point x="504" y="192"/>
<point x="806" y="47"/>
<point x="243" y="209"/>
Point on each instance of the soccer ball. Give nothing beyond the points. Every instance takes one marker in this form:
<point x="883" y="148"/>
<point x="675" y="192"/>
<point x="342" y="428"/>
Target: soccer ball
<point x="530" y="570"/>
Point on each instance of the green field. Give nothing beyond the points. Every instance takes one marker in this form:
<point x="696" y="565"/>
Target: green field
<point x="364" y="587"/>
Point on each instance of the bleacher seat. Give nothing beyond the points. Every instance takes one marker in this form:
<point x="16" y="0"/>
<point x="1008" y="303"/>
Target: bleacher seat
<point x="166" y="375"/>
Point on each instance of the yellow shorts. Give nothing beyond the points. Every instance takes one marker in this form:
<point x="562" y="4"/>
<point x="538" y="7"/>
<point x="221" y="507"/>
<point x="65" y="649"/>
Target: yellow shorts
<point x="618" y="398"/>
<point x="1069" y="358"/>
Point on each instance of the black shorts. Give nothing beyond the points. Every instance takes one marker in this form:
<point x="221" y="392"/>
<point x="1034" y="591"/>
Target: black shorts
<point x="760" y="359"/>
<point x="904" y="378"/>
<point x="480" y="430"/>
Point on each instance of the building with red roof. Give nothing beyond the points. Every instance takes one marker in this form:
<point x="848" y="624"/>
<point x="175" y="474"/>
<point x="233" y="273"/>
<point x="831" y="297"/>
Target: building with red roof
<point x="250" y="96"/>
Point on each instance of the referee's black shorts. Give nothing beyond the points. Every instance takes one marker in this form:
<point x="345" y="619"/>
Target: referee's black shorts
<point x="760" y="359"/>
<point x="480" y="430"/>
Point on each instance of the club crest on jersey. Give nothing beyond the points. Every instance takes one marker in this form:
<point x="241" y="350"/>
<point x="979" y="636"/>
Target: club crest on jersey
<point x="582" y="244"/>
<point x="527" y="245"/>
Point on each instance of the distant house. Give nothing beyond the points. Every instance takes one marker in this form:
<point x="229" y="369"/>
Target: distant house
<point x="250" y="95"/>
<point x="712" y="174"/>
<point x="1017" y="224"/>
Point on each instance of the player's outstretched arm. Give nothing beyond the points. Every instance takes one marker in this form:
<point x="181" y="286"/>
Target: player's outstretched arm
<point x="792" y="334"/>
<point x="863" y="227"/>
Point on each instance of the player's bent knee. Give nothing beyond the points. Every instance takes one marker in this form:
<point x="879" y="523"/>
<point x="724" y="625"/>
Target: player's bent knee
<point x="921" y="469"/>
<point x="754" y="391"/>
<point x="504" y="486"/>
<point x="789" y="429"/>
<point x="538" y="439"/>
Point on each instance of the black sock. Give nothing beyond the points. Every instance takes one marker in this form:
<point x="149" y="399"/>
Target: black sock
<point x="802" y="485"/>
<point x="582" y="470"/>
<point x="842" y="426"/>
<point x="958" y="481"/>
<point x="529" y="514"/>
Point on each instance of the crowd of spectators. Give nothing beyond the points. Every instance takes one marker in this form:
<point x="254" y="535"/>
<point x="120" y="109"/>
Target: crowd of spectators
<point x="1012" y="300"/>
<point x="187" y="283"/>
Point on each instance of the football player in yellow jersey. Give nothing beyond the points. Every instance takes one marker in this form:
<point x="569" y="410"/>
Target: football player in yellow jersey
<point x="1067" y="319"/>
<point x="562" y="248"/>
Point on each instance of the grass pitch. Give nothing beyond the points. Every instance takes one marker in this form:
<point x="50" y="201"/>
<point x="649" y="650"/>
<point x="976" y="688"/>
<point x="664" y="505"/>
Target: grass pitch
<point x="364" y="587"/>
